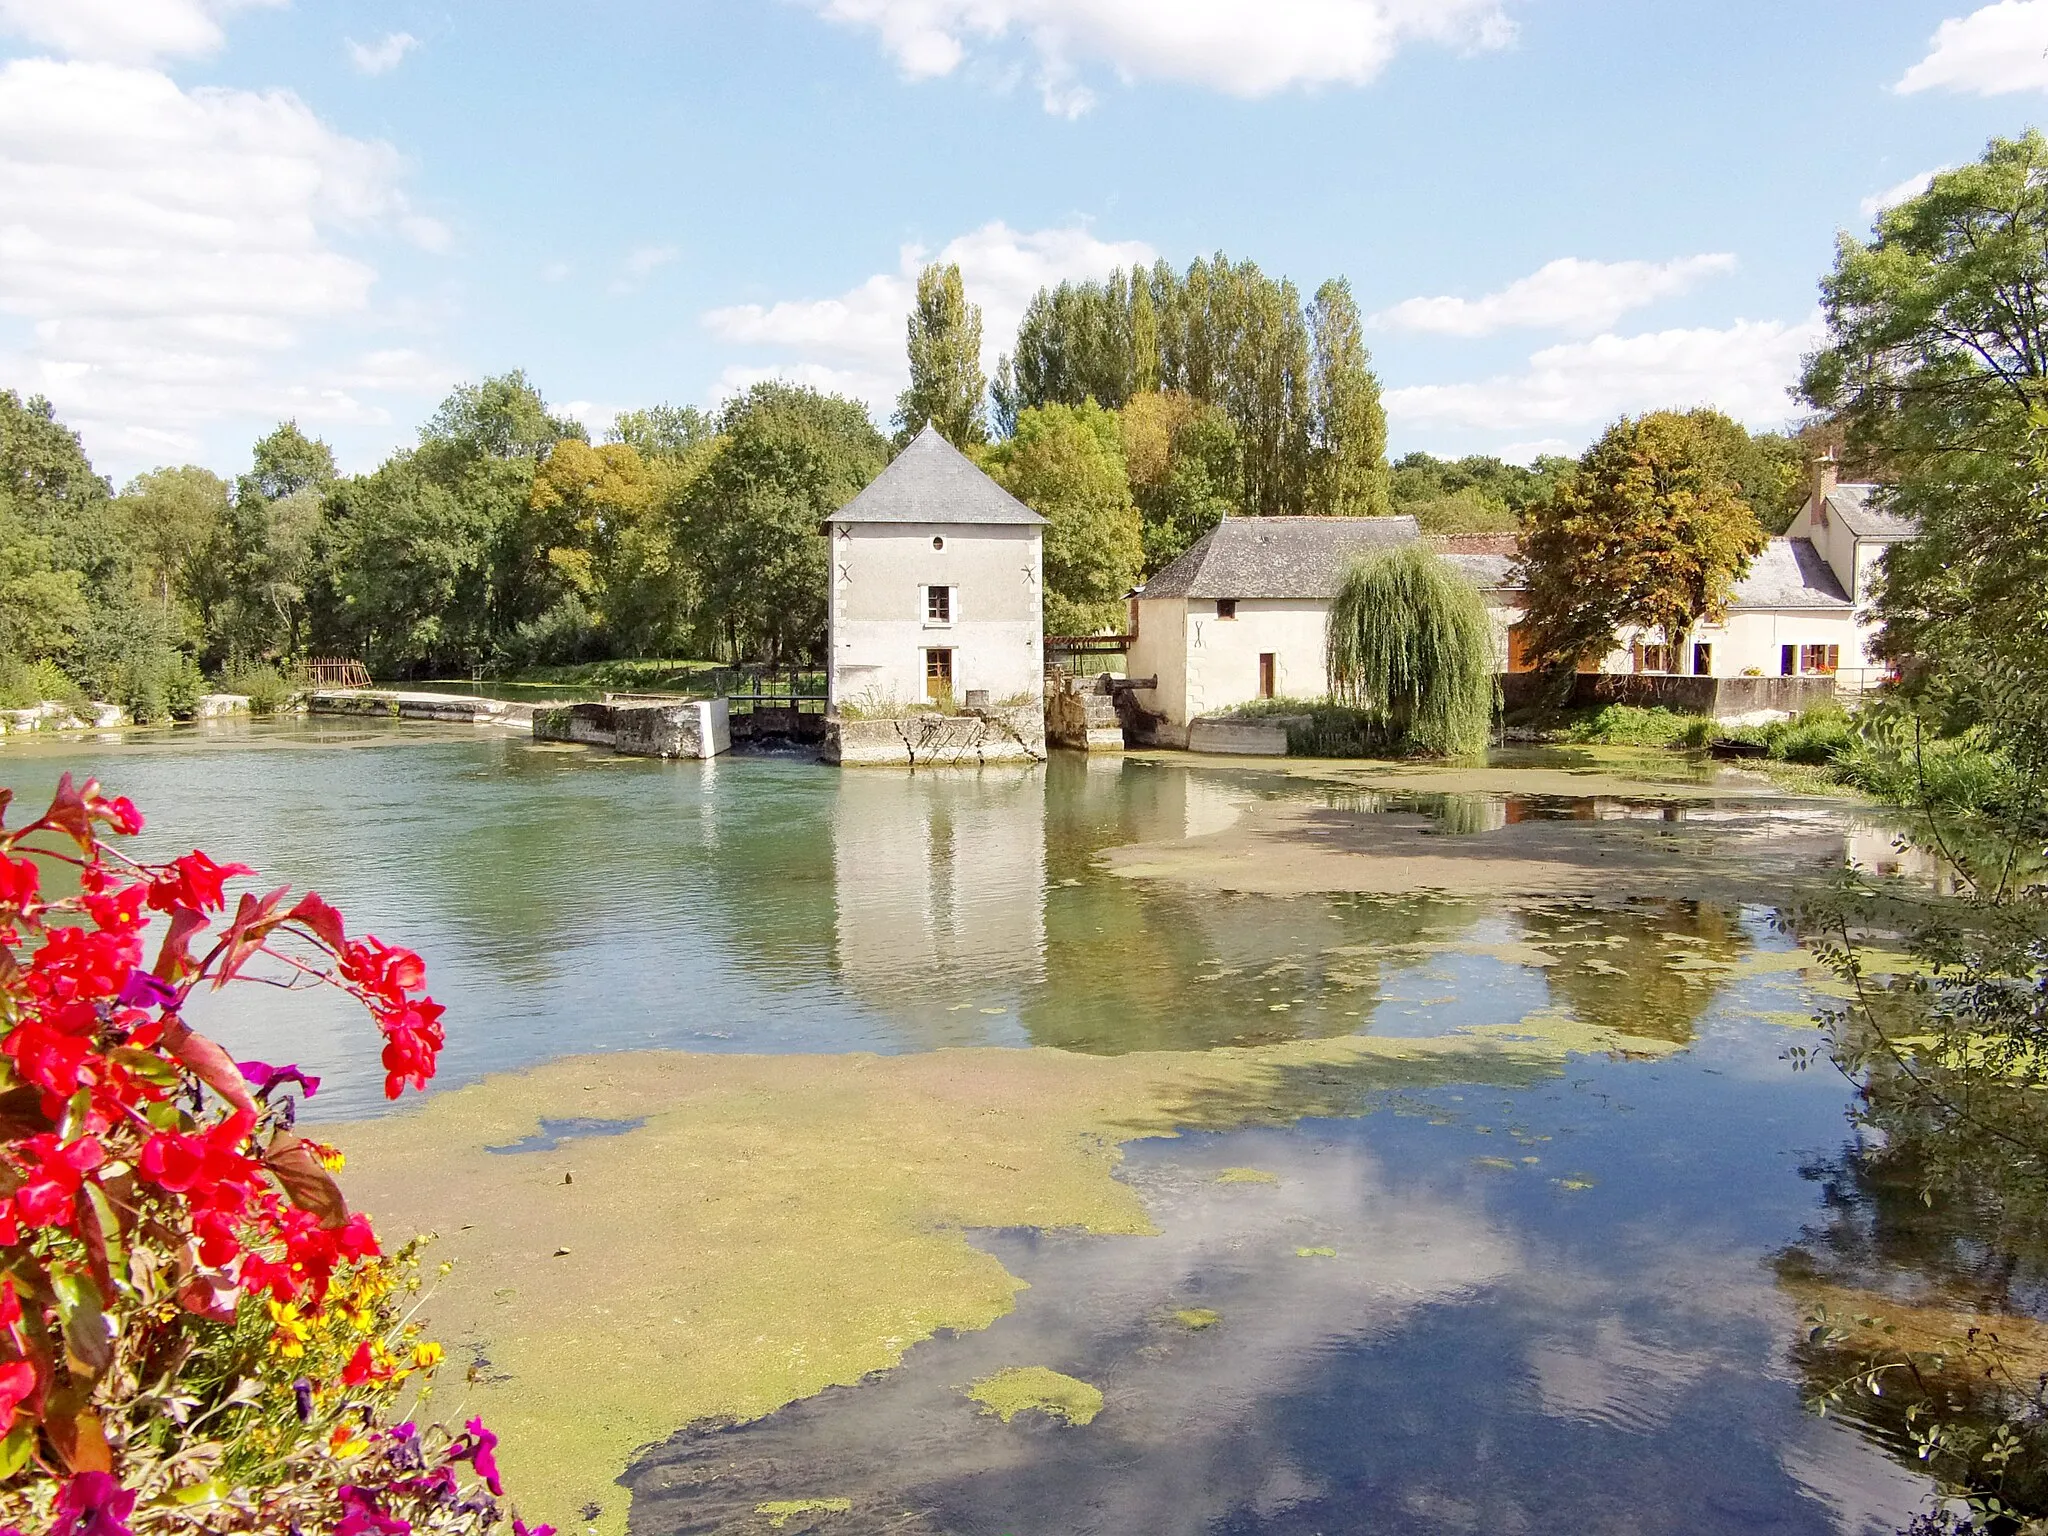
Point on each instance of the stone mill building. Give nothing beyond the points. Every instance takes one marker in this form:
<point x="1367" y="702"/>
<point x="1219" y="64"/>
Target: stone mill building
<point x="936" y="587"/>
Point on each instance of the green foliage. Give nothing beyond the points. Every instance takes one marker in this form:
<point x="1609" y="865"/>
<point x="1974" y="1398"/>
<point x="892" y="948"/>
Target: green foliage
<point x="501" y="418"/>
<point x="267" y="689"/>
<point x="169" y="520"/>
<point x="946" y="383"/>
<point x="1182" y="461"/>
<point x="1629" y="725"/>
<point x="787" y="458"/>
<point x="1410" y="644"/>
<point x="1479" y="479"/>
<point x="1067" y="464"/>
<point x="663" y="431"/>
<point x="1295" y="383"/>
<point x="1466" y="510"/>
<point x="1651" y="531"/>
<point x="25" y="684"/>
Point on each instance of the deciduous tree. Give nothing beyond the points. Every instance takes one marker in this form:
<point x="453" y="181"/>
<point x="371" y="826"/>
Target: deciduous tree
<point x="1652" y="531"/>
<point x="1067" y="464"/>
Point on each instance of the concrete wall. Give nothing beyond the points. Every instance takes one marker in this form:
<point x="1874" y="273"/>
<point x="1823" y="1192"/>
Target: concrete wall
<point x="1720" y="697"/>
<point x="1159" y="650"/>
<point x="1243" y="738"/>
<point x="876" y="611"/>
<point x="1000" y="736"/>
<point x="701" y="728"/>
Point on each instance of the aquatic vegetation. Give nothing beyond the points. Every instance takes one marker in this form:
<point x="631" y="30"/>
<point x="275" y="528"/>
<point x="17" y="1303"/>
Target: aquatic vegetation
<point x="1037" y="1389"/>
<point x="1315" y="1253"/>
<point x="781" y="1511"/>
<point x="1197" y="1318"/>
<point x="1247" y="1176"/>
<point x="196" y="1333"/>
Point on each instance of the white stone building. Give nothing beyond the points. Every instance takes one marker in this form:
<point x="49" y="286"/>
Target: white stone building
<point x="1244" y="613"/>
<point x="936" y="586"/>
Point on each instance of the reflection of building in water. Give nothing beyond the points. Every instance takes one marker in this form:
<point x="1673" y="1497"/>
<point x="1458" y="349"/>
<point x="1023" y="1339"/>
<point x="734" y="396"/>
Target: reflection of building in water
<point x="1886" y="853"/>
<point x="939" y="893"/>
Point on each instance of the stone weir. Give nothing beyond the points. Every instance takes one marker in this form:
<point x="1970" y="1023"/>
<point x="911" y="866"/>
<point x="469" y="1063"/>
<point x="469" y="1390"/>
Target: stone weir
<point x="935" y="740"/>
<point x="394" y="704"/>
<point x="693" y="728"/>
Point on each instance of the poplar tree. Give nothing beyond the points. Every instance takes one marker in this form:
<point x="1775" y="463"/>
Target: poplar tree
<point x="946" y="382"/>
<point x="1348" y="429"/>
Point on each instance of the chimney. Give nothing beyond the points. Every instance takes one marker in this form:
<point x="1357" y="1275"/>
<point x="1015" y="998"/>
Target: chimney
<point x="1823" y="476"/>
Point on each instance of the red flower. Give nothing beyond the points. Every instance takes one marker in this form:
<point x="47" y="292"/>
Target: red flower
<point x="193" y="881"/>
<point x="119" y="912"/>
<point x="118" y="813"/>
<point x="19" y="881"/>
<point x="55" y="1170"/>
<point x="362" y="1367"/>
<point x="17" y="1384"/>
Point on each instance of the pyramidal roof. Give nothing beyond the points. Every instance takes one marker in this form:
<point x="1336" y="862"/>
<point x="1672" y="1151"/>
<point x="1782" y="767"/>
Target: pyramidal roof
<point x="1276" y="556"/>
<point x="931" y="481"/>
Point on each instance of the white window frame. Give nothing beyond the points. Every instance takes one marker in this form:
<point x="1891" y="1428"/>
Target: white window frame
<point x="924" y="605"/>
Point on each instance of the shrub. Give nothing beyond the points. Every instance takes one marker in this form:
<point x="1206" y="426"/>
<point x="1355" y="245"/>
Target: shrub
<point x="1629" y="725"/>
<point x="196" y="1334"/>
<point x="25" y="684"/>
<point x="267" y="689"/>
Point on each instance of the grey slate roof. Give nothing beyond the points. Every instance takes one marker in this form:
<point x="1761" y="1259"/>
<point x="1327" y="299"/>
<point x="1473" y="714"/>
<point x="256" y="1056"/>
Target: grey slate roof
<point x="1790" y="573"/>
<point x="931" y="481"/>
<point x="1489" y="573"/>
<point x="1276" y="556"/>
<point x="1855" y="506"/>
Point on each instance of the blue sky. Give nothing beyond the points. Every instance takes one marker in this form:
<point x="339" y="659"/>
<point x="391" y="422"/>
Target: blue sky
<point x="217" y="213"/>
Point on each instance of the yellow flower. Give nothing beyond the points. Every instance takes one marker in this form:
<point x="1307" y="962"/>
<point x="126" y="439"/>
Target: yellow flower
<point x="427" y="1355"/>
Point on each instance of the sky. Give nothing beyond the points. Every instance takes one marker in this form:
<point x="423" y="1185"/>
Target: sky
<point x="217" y="214"/>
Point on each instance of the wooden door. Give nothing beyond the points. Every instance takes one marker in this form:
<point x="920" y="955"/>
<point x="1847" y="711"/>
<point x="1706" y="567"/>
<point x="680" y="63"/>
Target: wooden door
<point x="1267" y="671"/>
<point x="938" y="674"/>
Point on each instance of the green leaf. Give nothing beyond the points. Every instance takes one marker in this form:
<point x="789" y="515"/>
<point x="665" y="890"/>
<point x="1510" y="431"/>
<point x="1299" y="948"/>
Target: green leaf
<point x="15" y="1450"/>
<point x="82" y="1311"/>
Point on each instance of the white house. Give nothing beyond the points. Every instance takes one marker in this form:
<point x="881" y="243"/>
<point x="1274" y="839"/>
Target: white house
<point x="1244" y="613"/>
<point x="1801" y="610"/>
<point x="936" y="585"/>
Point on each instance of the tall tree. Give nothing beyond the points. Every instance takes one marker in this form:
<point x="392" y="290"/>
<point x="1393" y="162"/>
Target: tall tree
<point x="946" y="381"/>
<point x="1411" y="647"/>
<point x="663" y="431"/>
<point x="787" y="457"/>
<point x="503" y="417"/>
<point x="285" y="463"/>
<point x="1348" y="428"/>
<point x="168" y="520"/>
<point x="1182" y="459"/>
<point x="1652" y="531"/>
<point x="1067" y="464"/>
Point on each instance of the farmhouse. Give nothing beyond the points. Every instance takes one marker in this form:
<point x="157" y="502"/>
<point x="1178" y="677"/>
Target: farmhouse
<point x="936" y="588"/>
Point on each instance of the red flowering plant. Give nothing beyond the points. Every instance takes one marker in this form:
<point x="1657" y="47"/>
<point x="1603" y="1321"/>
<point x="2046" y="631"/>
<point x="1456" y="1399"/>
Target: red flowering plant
<point x="196" y="1333"/>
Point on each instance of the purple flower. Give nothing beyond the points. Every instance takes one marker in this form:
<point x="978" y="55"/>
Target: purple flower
<point x="93" y="1504"/>
<point x="362" y="1517"/>
<point x="142" y="990"/>
<point x="302" y="1395"/>
<point x="521" y="1528"/>
<point x="479" y="1447"/>
<point x="264" y="1077"/>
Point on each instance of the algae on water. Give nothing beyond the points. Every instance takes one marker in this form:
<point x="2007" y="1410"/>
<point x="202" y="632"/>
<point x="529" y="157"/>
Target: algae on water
<point x="781" y="1511"/>
<point x="1247" y="1176"/>
<point x="1039" y="1389"/>
<point x="1197" y="1318"/>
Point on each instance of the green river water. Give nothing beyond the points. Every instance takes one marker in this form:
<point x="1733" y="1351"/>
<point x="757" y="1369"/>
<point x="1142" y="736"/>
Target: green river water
<point x="1552" y="1307"/>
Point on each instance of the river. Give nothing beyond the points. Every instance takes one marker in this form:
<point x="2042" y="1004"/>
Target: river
<point x="1363" y="1209"/>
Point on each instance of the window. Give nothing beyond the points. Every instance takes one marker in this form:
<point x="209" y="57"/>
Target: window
<point x="938" y="605"/>
<point x="1268" y="670"/>
<point x="938" y="541"/>
<point x="1822" y="659"/>
<point x="938" y="674"/>
<point x="1655" y="658"/>
<point x="1702" y="660"/>
<point x="1788" y="661"/>
<point x="1226" y="607"/>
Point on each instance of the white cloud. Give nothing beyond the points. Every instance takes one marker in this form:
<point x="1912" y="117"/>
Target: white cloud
<point x="641" y="263"/>
<point x="1992" y="52"/>
<point x="1892" y="196"/>
<point x="384" y="55"/>
<point x="1542" y="447"/>
<point x="1744" y="369"/>
<point x="1242" y="47"/>
<point x="168" y="249"/>
<point x="874" y="390"/>
<point x="1565" y="295"/>
<point x="124" y="31"/>
<point x="857" y="338"/>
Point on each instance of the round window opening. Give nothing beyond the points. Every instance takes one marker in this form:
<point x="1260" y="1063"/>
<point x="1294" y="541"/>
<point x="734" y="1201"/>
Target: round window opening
<point x="938" y="542"/>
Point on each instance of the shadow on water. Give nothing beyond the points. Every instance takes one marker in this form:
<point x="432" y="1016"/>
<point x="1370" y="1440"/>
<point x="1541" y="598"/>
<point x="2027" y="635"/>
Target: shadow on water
<point x="553" y="1133"/>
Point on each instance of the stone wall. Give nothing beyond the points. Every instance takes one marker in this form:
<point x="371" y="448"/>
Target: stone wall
<point x="993" y="736"/>
<point x="1720" y="697"/>
<point x="1263" y="737"/>
<point x="1082" y="716"/>
<point x="700" y="728"/>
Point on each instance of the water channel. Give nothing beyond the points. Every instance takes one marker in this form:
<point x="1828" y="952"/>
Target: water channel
<point x="1363" y="1210"/>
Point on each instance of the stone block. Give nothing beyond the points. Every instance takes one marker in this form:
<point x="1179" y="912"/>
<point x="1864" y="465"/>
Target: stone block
<point x="994" y="736"/>
<point x="1264" y="737"/>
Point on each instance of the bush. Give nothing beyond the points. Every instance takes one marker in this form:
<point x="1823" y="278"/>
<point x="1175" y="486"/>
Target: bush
<point x="267" y="689"/>
<point x="1410" y="645"/>
<point x="1629" y="725"/>
<point x="25" y="684"/>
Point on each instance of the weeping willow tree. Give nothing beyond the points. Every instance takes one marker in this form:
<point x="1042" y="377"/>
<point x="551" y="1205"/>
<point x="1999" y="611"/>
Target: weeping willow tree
<point x="1411" y="649"/>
